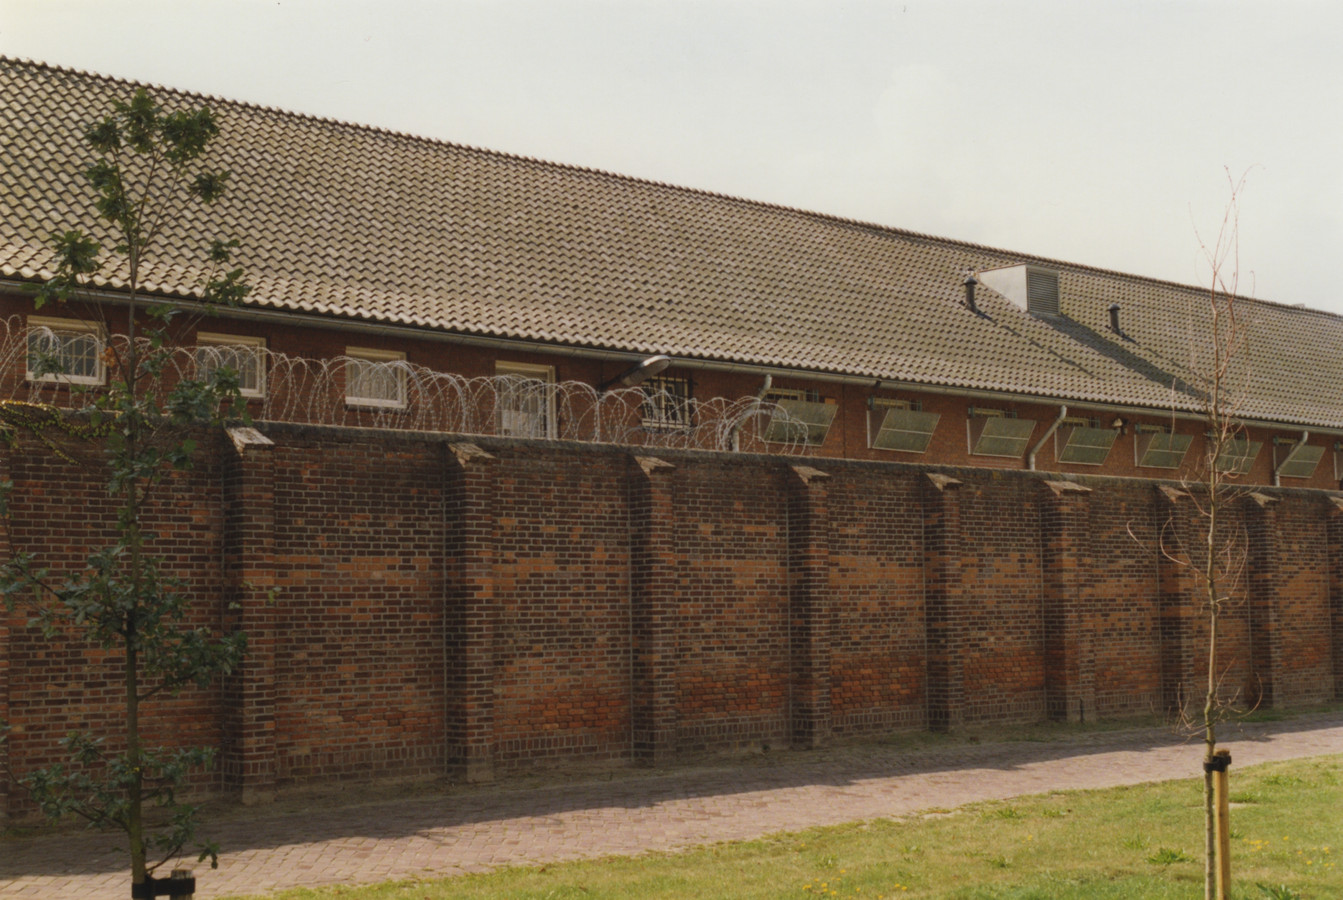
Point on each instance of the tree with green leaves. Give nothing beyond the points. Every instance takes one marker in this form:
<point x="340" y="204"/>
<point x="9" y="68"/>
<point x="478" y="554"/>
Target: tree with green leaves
<point x="149" y="167"/>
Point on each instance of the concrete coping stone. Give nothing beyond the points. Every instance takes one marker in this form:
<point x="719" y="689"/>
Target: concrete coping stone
<point x="245" y="437"/>
<point x="809" y="474"/>
<point x="467" y="453"/>
<point x="651" y="464"/>
<point x="942" y="482"/>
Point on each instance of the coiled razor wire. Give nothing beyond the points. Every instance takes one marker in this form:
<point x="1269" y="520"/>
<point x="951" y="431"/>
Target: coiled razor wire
<point x="412" y="397"/>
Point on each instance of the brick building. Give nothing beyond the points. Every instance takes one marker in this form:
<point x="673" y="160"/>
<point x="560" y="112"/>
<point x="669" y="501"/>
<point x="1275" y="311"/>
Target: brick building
<point x="450" y="474"/>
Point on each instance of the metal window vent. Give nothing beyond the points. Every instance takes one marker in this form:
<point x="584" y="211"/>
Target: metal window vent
<point x="1083" y="441"/>
<point x="1042" y="292"/>
<point x="1238" y="456"/>
<point x="904" y="426"/>
<point x="799" y="421"/>
<point x="1156" y="448"/>
<point x="1029" y="288"/>
<point x="1299" y="461"/>
<point x="992" y="433"/>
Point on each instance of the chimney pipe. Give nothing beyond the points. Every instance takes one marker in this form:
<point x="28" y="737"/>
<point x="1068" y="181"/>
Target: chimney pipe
<point x="1114" y="318"/>
<point x="970" y="293"/>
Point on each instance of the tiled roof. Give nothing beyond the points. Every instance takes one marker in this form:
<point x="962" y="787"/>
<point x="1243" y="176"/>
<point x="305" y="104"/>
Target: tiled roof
<point x="346" y="221"/>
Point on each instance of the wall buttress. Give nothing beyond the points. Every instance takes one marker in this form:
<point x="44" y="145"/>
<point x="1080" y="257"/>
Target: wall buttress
<point x="809" y="608"/>
<point x="249" y="758"/>
<point x="472" y="612"/>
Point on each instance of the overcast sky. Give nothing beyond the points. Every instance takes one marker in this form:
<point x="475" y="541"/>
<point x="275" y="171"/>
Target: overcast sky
<point x="1094" y="132"/>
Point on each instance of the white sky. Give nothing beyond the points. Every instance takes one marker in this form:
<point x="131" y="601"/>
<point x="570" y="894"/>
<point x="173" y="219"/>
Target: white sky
<point x="1094" y="132"/>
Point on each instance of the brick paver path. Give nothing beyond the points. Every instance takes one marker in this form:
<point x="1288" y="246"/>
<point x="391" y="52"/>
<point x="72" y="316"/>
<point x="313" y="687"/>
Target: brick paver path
<point x="467" y="829"/>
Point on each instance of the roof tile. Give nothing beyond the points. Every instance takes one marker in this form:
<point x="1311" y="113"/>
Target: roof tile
<point x="354" y="222"/>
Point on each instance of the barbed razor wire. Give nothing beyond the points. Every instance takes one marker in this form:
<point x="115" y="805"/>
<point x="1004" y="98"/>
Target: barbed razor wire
<point x="354" y="391"/>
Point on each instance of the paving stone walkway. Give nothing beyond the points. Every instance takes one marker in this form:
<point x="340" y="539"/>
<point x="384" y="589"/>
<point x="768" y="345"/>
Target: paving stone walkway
<point x="453" y="830"/>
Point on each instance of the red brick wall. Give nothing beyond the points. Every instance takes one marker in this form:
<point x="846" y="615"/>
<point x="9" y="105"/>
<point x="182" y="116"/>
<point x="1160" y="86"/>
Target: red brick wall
<point x="877" y="675"/>
<point x="358" y="617"/>
<point x="60" y="512"/>
<point x="562" y="555"/>
<point x="1004" y="663"/>
<point x="732" y="603"/>
<point x="476" y="608"/>
<point x="1123" y="594"/>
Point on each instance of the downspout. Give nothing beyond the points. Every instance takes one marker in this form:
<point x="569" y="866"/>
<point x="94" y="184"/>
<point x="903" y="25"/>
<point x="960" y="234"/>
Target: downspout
<point x="1277" y="469"/>
<point x="1053" y="427"/>
<point x="759" y="395"/>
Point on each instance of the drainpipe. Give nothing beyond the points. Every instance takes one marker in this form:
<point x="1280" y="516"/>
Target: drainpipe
<point x="1277" y="470"/>
<point x="759" y="395"/>
<point x="1053" y="427"/>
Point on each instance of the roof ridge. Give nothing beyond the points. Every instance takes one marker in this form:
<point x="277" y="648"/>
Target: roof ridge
<point x="651" y="182"/>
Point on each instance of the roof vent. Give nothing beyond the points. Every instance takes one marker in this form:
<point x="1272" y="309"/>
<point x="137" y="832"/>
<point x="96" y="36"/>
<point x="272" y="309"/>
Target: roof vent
<point x="970" y="293"/>
<point x="1032" y="289"/>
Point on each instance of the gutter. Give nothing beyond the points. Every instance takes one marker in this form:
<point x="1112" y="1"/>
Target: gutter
<point x="317" y="320"/>
<point x="1053" y="427"/>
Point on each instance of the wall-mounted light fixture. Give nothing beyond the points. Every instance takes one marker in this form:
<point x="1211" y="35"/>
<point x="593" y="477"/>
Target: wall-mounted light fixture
<point x="637" y="373"/>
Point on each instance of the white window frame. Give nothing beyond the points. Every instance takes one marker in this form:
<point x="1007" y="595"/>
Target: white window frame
<point x="505" y="399"/>
<point x="254" y="346"/>
<point x="64" y="329"/>
<point x="392" y="360"/>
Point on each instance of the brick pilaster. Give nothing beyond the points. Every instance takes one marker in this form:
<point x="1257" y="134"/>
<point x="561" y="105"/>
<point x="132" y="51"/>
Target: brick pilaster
<point x="1334" y="536"/>
<point x="8" y="622"/>
<point x="944" y="551"/>
<point x="472" y="612"/>
<point x="1264" y="582"/>
<point x="653" y="568"/>
<point x="248" y="766"/>
<point x="1178" y="602"/>
<point x="1069" y="623"/>
<point x="809" y="607"/>
<point x="1268" y="665"/>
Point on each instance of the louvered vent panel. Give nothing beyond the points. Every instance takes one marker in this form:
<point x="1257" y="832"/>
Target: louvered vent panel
<point x="1000" y="436"/>
<point x="1163" y="451"/>
<point x="1302" y="462"/>
<point x="906" y="429"/>
<point x="1238" y="456"/>
<point x="1086" y="445"/>
<point x="1042" y="293"/>
<point x="800" y="422"/>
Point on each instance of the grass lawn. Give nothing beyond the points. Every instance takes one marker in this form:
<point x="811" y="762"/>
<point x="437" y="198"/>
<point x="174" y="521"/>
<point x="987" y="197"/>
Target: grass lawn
<point x="1131" y="842"/>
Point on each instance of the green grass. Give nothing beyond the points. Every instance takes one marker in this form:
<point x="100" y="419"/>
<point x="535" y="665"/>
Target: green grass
<point x="1143" y="841"/>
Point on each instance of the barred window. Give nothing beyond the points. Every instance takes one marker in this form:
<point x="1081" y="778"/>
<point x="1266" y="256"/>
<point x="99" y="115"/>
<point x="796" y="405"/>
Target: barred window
<point x="666" y="403"/>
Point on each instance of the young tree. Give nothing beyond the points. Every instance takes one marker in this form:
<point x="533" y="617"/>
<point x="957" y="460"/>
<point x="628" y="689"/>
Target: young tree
<point x="1214" y="549"/>
<point x="149" y="166"/>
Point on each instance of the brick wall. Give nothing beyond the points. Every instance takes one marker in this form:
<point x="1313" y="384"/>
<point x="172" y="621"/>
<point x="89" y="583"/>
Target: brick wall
<point x="418" y="605"/>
